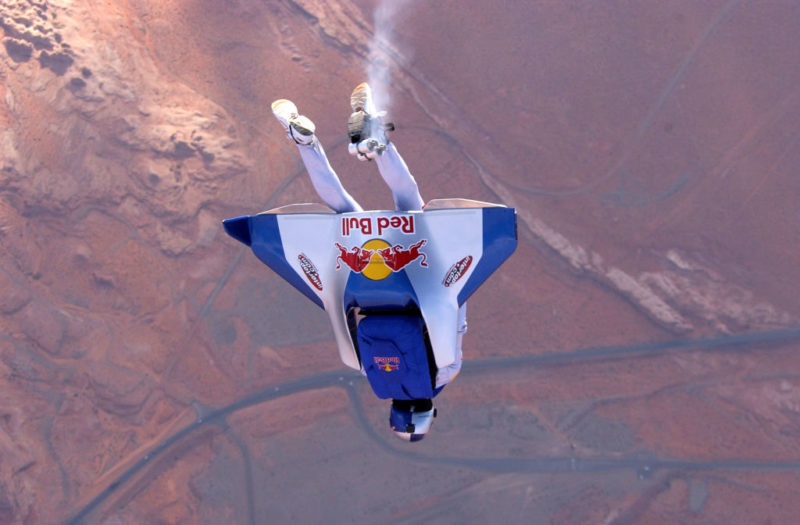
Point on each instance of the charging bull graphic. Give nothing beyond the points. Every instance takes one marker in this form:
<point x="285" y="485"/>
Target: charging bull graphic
<point x="356" y="258"/>
<point x="396" y="257"/>
<point x="377" y="259"/>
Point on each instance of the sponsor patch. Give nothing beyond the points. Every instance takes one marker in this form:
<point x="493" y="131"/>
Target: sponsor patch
<point x="387" y="364"/>
<point x="310" y="270"/>
<point x="457" y="271"/>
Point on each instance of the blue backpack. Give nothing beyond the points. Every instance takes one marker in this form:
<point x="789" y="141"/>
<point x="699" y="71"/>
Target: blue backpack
<point x="395" y="357"/>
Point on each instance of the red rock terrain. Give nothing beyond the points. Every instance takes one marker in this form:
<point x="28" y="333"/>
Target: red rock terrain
<point x="633" y="362"/>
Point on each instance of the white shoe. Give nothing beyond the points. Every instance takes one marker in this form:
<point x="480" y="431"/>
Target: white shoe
<point x="361" y="99"/>
<point x="365" y="126"/>
<point x="298" y="127"/>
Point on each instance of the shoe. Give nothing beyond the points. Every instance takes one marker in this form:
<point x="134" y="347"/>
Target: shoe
<point x="361" y="99"/>
<point x="365" y="126"/>
<point x="298" y="127"/>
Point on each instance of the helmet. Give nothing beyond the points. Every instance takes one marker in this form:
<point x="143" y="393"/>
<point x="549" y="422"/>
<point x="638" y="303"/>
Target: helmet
<point x="411" y="420"/>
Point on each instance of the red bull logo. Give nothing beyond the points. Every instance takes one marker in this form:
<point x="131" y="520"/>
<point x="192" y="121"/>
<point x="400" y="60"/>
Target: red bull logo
<point x="367" y="225"/>
<point x="387" y="364"/>
<point x="377" y="259"/>
<point x="355" y="258"/>
<point x="310" y="270"/>
<point x="396" y="257"/>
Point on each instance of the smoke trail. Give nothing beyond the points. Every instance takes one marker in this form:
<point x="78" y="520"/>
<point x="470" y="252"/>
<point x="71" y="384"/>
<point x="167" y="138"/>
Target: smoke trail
<point x="383" y="54"/>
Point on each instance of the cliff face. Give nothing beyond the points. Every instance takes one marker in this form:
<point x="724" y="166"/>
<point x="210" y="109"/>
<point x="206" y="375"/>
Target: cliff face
<point x="649" y="151"/>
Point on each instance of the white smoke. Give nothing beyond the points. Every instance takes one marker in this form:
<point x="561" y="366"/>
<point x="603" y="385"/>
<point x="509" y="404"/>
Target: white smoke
<point x="384" y="55"/>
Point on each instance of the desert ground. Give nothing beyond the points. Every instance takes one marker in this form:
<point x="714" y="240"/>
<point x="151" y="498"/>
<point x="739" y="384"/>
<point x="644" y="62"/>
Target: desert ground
<point x="634" y="362"/>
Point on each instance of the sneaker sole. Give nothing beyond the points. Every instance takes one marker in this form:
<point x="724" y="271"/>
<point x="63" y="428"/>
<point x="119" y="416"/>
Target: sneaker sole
<point x="284" y="110"/>
<point x="361" y="98"/>
<point x="302" y="125"/>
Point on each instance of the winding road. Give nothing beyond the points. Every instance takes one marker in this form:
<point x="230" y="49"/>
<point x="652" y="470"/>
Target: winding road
<point x="643" y="466"/>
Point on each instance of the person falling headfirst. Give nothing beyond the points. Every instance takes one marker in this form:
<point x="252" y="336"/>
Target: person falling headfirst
<point x="409" y="418"/>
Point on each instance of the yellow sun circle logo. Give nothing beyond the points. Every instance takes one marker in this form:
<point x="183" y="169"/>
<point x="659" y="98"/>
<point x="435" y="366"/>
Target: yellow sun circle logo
<point x="376" y="268"/>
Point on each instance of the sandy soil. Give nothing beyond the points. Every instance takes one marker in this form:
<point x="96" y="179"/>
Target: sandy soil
<point x="633" y="362"/>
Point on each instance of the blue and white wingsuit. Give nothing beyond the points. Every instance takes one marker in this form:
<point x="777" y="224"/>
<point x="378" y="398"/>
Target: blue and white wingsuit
<point x="394" y="283"/>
